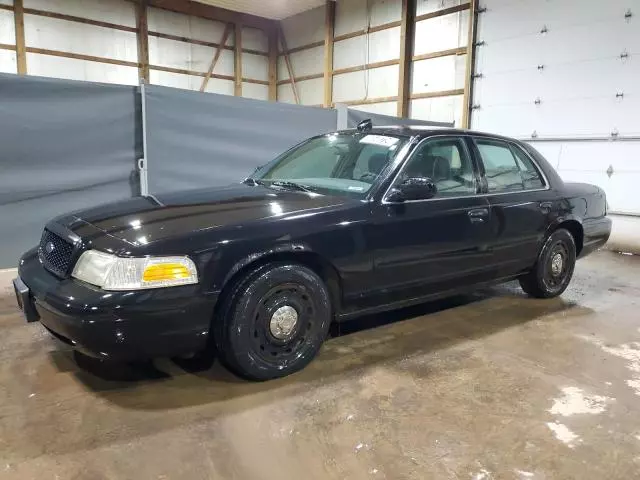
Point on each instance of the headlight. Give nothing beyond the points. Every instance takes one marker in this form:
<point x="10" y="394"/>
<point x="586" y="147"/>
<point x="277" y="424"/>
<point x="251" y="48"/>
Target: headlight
<point x="115" y="273"/>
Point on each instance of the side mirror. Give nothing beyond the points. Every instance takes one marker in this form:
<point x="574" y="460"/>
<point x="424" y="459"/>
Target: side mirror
<point x="417" y="188"/>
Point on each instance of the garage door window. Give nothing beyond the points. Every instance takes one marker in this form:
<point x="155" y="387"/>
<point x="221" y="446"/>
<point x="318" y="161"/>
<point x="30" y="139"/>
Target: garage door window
<point x="507" y="170"/>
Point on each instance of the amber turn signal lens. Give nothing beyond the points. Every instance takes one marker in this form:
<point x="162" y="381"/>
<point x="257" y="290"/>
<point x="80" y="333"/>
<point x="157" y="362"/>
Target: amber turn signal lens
<point x="165" y="271"/>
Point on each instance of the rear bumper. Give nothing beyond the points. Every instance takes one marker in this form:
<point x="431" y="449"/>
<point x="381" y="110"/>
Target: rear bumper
<point x="596" y="234"/>
<point x="118" y="325"/>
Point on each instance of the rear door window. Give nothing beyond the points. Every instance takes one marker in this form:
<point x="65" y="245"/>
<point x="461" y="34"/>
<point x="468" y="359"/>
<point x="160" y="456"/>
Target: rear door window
<point x="507" y="169"/>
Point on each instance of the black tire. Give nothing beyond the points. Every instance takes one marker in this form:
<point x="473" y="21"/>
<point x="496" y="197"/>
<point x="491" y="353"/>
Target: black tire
<point x="246" y="332"/>
<point x="554" y="267"/>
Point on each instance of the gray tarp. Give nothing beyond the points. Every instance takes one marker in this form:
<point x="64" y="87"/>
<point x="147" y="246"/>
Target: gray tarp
<point x="354" y="117"/>
<point x="198" y="140"/>
<point x="64" y="145"/>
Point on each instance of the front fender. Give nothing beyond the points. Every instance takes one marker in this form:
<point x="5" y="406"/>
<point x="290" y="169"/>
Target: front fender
<point x="228" y="261"/>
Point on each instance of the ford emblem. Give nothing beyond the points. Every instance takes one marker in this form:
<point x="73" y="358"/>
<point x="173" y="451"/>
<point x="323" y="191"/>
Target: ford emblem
<point x="49" y="247"/>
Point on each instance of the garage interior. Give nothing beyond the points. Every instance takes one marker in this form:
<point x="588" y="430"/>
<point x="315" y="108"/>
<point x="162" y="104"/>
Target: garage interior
<point x="99" y="97"/>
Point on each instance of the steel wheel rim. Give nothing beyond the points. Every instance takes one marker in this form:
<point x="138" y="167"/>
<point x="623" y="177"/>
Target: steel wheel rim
<point x="556" y="266"/>
<point x="274" y="334"/>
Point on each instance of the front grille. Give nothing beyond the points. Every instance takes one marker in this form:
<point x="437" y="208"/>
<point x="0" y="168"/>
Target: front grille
<point x="55" y="253"/>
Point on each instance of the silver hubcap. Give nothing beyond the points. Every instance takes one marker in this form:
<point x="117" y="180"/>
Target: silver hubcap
<point x="556" y="264"/>
<point x="283" y="322"/>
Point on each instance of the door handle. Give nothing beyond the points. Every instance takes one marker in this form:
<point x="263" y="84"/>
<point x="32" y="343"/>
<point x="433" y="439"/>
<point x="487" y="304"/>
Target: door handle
<point x="477" y="215"/>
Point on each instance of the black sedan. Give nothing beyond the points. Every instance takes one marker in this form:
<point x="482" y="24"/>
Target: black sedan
<point x="342" y="225"/>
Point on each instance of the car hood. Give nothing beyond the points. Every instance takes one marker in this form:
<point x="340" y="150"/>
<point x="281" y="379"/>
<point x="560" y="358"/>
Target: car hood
<point x="143" y="220"/>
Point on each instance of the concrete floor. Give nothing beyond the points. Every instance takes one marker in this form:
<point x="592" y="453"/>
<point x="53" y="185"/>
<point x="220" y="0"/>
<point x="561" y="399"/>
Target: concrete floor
<point x="492" y="385"/>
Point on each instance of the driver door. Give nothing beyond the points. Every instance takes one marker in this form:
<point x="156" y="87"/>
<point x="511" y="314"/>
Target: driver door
<point x="438" y="243"/>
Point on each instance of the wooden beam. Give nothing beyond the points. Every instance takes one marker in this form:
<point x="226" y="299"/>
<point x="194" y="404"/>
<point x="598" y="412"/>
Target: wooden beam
<point x="255" y="80"/>
<point x="302" y="78"/>
<point x="195" y="41"/>
<point x="273" y="64"/>
<point x="287" y="60"/>
<point x="441" y="53"/>
<point x="444" y="11"/>
<point x="6" y="7"/>
<point x="195" y="73"/>
<point x="369" y="101"/>
<point x="210" y="12"/>
<point x="78" y="56"/>
<point x="308" y="46"/>
<point x="73" y="18"/>
<point x="377" y="28"/>
<point x="367" y="66"/>
<point x="216" y="56"/>
<point x="469" y="71"/>
<point x="237" y="55"/>
<point x="406" y="54"/>
<point x="329" y="26"/>
<point x="441" y="93"/>
<point x="143" y="41"/>
<point x="21" y="52"/>
<point x="124" y="63"/>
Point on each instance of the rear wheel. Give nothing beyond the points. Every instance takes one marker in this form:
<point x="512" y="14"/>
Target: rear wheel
<point x="274" y="321"/>
<point x="554" y="267"/>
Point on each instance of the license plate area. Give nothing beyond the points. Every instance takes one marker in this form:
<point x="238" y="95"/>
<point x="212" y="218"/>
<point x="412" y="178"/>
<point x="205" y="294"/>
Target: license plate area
<point x="25" y="300"/>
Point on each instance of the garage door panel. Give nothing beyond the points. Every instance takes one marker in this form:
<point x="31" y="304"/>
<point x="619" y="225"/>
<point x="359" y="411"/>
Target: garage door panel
<point x="580" y="43"/>
<point x="618" y="194"/>
<point x="587" y="117"/>
<point x="510" y="120"/>
<point x="589" y="161"/>
<point x="506" y="88"/>
<point x="586" y="79"/>
<point x="523" y="53"/>
<point x="550" y="151"/>
<point x="505" y="18"/>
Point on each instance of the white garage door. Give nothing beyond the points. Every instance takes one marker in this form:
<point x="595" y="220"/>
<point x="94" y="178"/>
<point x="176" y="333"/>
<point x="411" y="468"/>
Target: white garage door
<point x="566" y="71"/>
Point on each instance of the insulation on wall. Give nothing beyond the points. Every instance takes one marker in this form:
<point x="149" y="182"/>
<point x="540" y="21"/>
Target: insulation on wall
<point x="120" y="12"/>
<point x="311" y="92"/>
<point x="7" y="37"/>
<point x="438" y="109"/>
<point x="186" y="56"/>
<point x="369" y="83"/>
<point x="53" y="37"/>
<point x="194" y="59"/>
<point x="299" y="30"/>
<point x="441" y="33"/>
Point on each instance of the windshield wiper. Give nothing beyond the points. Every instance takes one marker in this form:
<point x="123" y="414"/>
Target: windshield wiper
<point x="293" y="185"/>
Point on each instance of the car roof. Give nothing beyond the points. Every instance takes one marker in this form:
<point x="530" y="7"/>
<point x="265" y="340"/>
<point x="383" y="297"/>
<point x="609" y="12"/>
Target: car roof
<point x="424" y="131"/>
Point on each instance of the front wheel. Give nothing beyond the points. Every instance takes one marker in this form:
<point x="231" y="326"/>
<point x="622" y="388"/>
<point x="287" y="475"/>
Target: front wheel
<point x="554" y="267"/>
<point x="274" y="322"/>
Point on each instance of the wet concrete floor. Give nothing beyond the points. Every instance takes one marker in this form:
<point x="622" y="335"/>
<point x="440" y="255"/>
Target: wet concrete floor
<point x="492" y="385"/>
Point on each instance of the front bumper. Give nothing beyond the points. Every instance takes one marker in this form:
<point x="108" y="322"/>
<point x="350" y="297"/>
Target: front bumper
<point x="117" y="325"/>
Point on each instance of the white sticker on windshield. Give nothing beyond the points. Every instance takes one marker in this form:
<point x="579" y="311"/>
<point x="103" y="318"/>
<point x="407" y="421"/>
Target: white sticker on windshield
<point x="356" y="189"/>
<point x="379" y="140"/>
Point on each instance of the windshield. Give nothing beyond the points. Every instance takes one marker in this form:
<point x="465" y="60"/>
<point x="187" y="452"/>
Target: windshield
<point x="346" y="163"/>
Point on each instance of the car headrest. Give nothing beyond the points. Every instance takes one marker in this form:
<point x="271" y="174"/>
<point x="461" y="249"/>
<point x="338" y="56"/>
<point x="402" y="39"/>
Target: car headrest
<point x="440" y="168"/>
<point x="377" y="162"/>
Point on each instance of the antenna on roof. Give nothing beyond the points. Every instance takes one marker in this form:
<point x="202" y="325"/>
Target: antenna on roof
<point x="365" y="125"/>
